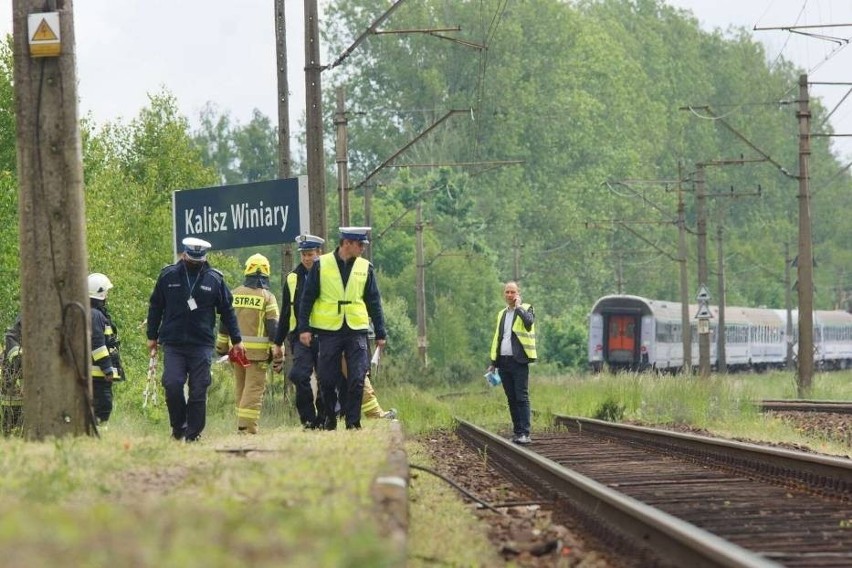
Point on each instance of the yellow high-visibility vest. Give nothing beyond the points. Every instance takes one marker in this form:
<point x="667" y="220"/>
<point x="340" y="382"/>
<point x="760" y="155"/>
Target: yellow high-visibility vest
<point x="292" y="280"/>
<point x="526" y="338"/>
<point x="336" y="304"/>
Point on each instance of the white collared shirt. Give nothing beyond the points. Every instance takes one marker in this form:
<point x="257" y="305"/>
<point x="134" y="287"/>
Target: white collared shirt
<point x="506" y="342"/>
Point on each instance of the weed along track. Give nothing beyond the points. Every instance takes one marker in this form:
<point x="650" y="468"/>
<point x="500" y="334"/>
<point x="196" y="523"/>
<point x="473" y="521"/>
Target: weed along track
<point x="684" y="500"/>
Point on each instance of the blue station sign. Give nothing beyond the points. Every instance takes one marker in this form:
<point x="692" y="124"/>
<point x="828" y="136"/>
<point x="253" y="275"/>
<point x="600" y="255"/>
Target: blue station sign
<point x="243" y="215"/>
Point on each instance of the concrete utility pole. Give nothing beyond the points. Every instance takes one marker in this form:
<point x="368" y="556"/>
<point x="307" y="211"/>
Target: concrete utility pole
<point x="368" y="218"/>
<point x="806" y="260"/>
<point x="283" y="116"/>
<point x="420" y="284"/>
<point x="313" y="134"/>
<point x="54" y="301"/>
<point x="788" y="305"/>
<point x="721" y="354"/>
<point x="283" y="91"/>
<point x="342" y="157"/>
<point x="701" y="233"/>
<point x="684" y="276"/>
<point x="700" y="196"/>
<point x="681" y="258"/>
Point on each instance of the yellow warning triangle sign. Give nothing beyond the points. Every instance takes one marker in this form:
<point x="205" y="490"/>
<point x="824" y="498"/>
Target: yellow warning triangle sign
<point x="44" y="33"/>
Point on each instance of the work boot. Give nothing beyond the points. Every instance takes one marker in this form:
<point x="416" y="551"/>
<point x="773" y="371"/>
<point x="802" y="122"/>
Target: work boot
<point x="330" y="423"/>
<point x="522" y="440"/>
<point x="389" y="414"/>
<point x="354" y="426"/>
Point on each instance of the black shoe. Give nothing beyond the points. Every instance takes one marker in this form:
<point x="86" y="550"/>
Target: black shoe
<point x="354" y="426"/>
<point x="330" y="424"/>
<point x="193" y="439"/>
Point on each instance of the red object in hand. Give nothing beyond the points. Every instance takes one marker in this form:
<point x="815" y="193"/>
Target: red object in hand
<point x="235" y="356"/>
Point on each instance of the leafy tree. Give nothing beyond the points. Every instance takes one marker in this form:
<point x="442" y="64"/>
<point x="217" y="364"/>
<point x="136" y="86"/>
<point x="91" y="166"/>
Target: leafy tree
<point x="240" y="154"/>
<point x="9" y="250"/>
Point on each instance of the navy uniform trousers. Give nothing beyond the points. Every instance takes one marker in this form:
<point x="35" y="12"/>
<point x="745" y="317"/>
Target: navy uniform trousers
<point x="182" y="363"/>
<point x="305" y="360"/>
<point x="353" y="346"/>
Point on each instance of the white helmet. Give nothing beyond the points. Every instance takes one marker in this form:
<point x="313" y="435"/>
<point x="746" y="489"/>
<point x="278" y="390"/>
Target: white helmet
<point x="99" y="285"/>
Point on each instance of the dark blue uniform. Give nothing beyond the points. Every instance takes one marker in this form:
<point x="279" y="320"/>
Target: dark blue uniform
<point x="101" y="387"/>
<point x="182" y="318"/>
<point x="350" y="342"/>
<point x="305" y="359"/>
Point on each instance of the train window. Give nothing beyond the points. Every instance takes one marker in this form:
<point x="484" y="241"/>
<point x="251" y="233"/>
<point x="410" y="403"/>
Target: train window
<point x="662" y="332"/>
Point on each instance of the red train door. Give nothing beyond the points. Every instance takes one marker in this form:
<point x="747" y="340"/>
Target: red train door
<point x="621" y="339"/>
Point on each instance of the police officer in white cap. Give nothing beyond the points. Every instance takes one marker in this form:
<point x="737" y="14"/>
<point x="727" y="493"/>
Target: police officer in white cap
<point x="311" y="414"/>
<point x="340" y="298"/>
<point x="182" y="318"/>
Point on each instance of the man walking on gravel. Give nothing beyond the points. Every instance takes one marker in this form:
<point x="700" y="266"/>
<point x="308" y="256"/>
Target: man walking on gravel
<point x="512" y="350"/>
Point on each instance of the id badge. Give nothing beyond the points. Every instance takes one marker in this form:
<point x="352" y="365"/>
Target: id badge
<point x="192" y="305"/>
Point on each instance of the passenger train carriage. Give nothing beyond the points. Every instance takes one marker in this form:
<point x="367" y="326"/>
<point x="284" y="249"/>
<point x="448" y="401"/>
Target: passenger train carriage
<point x="631" y="332"/>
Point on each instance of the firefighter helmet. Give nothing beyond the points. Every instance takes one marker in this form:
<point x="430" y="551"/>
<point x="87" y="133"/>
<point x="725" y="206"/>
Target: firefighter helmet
<point x="257" y="264"/>
<point x="99" y="285"/>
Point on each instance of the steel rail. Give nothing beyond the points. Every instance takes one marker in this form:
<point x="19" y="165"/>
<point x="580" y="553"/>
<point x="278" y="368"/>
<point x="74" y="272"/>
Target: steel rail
<point x="671" y="539"/>
<point x="827" y="475"/>
<point x="835" y="406"/>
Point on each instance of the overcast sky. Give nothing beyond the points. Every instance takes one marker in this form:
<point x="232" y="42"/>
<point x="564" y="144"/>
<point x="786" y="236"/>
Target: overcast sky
<point x="224" y="51"/>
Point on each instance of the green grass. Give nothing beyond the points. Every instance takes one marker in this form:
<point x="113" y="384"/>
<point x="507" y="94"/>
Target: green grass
<point x="136" y="498"/>
<point x="144" y="500"/>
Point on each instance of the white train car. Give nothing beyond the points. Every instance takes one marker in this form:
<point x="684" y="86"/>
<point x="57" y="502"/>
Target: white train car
<point x="832" y="337"/>
<point x="632" y="332"/>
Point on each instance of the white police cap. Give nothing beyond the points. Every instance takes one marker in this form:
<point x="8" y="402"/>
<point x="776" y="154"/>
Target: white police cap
<point x="309" y="242"/>
<point x="196" y="248"/>
<point x="355" y="234"/>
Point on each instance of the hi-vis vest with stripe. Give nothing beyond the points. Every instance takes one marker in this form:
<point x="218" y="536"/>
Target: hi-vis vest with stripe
<point x="292" y="281"/>
<point x="526" y="338"/>
<point x="100" y="353"/>
<point x="253" y="307"/>
<point x="336" y="305"/>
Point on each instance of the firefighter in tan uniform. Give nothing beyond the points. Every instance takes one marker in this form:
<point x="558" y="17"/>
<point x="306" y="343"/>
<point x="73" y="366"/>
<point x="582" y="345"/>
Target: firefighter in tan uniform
<point x="257" y="314"/>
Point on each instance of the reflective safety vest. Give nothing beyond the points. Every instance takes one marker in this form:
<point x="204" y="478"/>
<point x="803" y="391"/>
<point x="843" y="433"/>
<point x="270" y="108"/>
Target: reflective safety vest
<point x="100" y="353"/>
<point x="526" y="338"/>
<point x="336" y="304"/>
<point x="292" y="282"/>
<point x="253" y="307"/>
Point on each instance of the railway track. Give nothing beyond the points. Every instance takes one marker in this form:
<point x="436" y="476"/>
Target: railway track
<point x="673" y="499"/>
<point x="833" y="406"/>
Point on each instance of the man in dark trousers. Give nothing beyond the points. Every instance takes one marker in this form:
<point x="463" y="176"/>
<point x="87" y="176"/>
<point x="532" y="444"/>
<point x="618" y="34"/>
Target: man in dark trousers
<point x="340" y="298"/>
<point x="182" y="318"/>
<point x="106" y="362"/>
<point x="512" y="350"/>
<point x="311" y="414"/>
